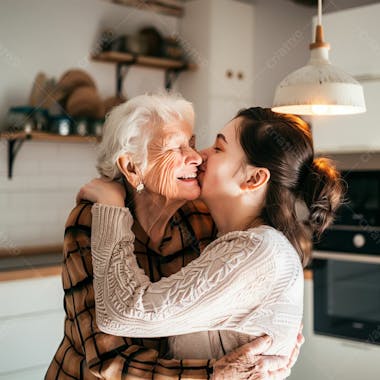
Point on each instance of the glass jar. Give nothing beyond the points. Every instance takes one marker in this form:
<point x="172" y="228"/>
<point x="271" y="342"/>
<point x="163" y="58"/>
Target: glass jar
<point x="60" y="125"/>
<point x="19" y="119"/>
<point x="97" y="127"/>
<point x="81" y="127"/>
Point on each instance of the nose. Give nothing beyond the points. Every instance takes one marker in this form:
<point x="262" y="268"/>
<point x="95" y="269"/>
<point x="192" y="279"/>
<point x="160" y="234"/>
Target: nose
<point x="193" y="157"/>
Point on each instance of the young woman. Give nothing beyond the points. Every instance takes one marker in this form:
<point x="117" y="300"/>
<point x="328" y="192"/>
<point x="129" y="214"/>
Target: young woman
<point x="249" y="281"/>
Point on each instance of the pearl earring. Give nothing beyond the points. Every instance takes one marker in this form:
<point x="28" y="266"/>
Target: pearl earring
<point x="140" y="188"/>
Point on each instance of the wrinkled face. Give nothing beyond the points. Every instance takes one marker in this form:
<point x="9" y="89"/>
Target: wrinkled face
<point x="222" y="171"/>
<point x="173" y="163"/>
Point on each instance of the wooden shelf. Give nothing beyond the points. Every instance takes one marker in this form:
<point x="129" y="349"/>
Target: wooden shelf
<point x="44" y="136"/>
<point x="172" y="67"/>
<point x="170" y="8"/>
<point x="16" y="139"/>
<point x="143" y="60"/>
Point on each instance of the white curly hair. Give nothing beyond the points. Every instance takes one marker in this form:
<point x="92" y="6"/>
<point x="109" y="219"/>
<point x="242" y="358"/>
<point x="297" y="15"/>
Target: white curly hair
<point x="129" y="126"/>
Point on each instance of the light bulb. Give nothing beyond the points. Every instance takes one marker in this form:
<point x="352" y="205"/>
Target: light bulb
<point x="320" y="109"/>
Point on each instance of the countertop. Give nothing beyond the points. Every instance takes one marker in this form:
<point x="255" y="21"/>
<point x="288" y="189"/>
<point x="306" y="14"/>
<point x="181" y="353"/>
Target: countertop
<point x="35" y="262"/>
<point x="30" y="262"/>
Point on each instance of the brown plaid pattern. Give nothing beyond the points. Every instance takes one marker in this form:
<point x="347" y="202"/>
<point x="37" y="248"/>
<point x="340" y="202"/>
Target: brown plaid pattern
<point x="87" y="353"/>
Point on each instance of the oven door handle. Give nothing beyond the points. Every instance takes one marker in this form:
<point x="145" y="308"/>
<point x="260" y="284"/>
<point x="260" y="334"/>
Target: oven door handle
<point x="349" y="257"/>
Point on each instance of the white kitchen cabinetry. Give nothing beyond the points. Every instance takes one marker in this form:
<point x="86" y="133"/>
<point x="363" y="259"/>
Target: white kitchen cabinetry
<point x="223" y="82"/>
<point x="31" y="326"/>
<point x="329" y="358"/>
<point x="354" y="36"/>
<point x="231" y="49"/>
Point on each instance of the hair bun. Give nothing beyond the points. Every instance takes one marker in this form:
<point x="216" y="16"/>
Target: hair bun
<point x="323" y="193"/>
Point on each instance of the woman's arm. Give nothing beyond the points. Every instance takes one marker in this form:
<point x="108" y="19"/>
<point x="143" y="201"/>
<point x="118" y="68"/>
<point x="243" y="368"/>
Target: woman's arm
<point x="215" y="291"/>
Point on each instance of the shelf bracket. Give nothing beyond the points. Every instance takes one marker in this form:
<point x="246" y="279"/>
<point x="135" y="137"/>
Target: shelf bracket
<point x="121" y="72"/>
<point x="122" y="68"/>
<point x="171" y="76"/>
<point x="14" y="146"/>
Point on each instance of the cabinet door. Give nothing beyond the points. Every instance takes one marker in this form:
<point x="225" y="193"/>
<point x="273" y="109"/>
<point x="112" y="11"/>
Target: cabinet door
<point x="231" y="44"/>
<point x="31" y="326"/>
<point x="354" y="36"/>
<point x="353" y="133"/>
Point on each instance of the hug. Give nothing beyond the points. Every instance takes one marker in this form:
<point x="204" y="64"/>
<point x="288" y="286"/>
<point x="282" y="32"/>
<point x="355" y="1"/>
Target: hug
<point x="181" y="264"/>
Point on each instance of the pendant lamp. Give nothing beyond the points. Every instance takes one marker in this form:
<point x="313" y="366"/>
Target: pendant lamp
<point x="319" y="88"/>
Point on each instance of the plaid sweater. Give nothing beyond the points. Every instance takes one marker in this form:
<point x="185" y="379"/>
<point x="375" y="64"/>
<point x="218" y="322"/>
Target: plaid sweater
<point x="87" y="353"/>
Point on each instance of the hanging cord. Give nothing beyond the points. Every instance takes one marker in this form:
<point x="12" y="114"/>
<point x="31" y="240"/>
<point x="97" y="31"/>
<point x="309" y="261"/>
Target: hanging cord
<point x="319" y="41"/>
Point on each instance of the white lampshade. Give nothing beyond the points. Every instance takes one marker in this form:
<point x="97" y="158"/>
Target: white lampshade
<point x="319" y="88"/>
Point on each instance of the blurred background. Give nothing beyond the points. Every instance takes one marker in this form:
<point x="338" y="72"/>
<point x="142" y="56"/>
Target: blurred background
<point x="65" y="64"/>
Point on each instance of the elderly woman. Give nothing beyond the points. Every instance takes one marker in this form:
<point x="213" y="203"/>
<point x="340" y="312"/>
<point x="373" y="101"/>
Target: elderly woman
<point x="147" y="145"/>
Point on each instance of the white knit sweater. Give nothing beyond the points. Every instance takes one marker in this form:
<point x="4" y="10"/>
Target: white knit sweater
<point x="245" y="284"/>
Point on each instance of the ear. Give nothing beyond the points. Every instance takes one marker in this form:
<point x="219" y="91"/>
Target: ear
<point x="131" y="172"/>
<point x="256" y="178"/>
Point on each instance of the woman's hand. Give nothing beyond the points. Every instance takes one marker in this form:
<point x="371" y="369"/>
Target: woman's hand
<point x="296" y="350"/>
<point x="248" y="363"/>
<point x="102" y="191"/>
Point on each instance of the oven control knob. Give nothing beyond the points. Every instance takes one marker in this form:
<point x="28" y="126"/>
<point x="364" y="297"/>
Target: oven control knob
<point x="358" y="240"/>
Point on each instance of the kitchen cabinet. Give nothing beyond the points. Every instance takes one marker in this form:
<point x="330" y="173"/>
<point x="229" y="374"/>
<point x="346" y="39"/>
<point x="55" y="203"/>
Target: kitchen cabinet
<point x="355" y="47"/>
<point x="31" y="326"/>
<point x="231" y="49"/>
<point x="223" y="82"/>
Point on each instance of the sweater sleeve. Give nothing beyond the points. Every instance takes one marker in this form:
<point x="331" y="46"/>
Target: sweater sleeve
<point x="216" y="291"/>
<point x="85" y="351"/>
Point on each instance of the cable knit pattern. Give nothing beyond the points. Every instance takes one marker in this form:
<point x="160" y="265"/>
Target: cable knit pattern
<point x="245" y="283"/>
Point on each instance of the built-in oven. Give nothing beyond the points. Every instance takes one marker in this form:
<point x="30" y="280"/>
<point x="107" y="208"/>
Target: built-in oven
<point x="346" y="265"/>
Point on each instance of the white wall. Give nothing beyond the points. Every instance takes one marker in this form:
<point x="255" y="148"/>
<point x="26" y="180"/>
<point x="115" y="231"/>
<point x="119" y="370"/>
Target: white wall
<point x="53" y="36"/>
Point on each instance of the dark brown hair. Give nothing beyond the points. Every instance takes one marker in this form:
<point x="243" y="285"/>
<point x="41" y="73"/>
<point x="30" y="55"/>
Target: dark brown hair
<point x="283" y="144"/>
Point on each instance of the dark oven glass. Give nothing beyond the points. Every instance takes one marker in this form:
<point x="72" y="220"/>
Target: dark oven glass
<point x="357" y="225"/>
<point x="346" y="264"/>
<point x="363" y="199"/>
<point x="347" y="298"/>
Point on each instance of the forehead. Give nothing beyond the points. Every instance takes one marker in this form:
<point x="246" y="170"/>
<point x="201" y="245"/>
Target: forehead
<point x="177" y="128"/>
<point x="231" y="132"/>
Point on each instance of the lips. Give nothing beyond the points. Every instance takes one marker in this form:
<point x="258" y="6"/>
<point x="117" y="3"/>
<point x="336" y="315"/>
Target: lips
<point x="188" y="177"/>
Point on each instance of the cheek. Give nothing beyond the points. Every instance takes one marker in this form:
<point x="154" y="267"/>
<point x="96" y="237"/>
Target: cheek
<point x="216" y="172"/>
<point x="221" y="176"/>
<point x="161" y="177"/>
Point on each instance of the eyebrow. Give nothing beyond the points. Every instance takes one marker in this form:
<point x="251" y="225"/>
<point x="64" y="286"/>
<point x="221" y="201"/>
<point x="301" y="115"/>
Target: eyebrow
<point x="221" y="136"/>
